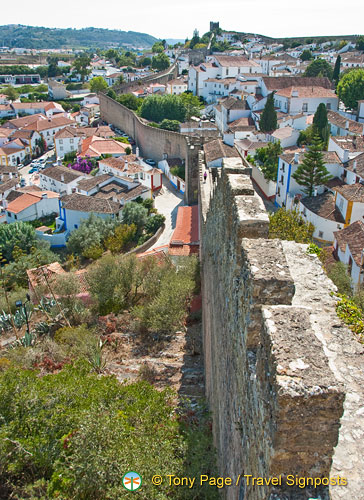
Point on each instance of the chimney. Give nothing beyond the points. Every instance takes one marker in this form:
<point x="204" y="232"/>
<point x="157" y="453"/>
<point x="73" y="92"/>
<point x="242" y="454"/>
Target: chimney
<point x="296" y="157"/>
<point x="294" y="93"/>
<point x="62" y="178"/>
<point x="114" y="198"/>
<point x="10" y="175"/>
<point x="315" y="192"/>
<point x="347" y="125"/>
<point x="354" y="166"/>
<point x="137" y="151"/>
<point x="345" y="155"/>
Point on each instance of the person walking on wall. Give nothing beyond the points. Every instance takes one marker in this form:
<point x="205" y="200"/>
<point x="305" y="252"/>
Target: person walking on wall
<point x="204" y="176"/>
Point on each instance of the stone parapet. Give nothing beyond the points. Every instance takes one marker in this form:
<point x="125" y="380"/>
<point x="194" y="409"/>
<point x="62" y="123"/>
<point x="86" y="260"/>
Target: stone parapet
<point x="284" y="377"/>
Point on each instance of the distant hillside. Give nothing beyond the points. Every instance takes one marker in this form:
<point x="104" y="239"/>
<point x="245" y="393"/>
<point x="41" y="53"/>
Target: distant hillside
<point x="33" y="37"/>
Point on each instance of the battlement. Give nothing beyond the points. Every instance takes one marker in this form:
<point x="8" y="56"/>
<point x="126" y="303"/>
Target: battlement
<point x="284" y="376"/>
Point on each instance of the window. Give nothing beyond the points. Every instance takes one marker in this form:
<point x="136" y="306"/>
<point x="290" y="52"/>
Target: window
<point x="304" y="107"/>
<point x="341" y="204"/>
<point x="15" y="216"/>
<point x="9" y="214"/>
<point x="279" y="191"/>
<point x="328" y="105"/>
<point x="76" y="226"/>
<point x="320" y="234"/>
<point x="61" y="141"/>
<point x="61" y="148"/>
<point x="282" y="179"/>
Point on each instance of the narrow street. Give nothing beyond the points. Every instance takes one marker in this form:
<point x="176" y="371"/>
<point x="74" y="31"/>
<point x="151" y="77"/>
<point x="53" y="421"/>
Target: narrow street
<point x="167" y="202"/>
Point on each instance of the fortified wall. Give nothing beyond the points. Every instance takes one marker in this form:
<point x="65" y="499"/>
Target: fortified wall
<point x="156" y="143"/>
<point x="284" y="377"/>
<point x="161" y="77"/>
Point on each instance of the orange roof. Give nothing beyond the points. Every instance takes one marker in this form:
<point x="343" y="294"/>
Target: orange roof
<point x="27" y="200"/>
<point x="96" y="146"/>
<point x="185" y="238"/>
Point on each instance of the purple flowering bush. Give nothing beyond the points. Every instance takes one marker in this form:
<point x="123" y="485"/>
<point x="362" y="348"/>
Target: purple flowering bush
<point x="83" y="165"/>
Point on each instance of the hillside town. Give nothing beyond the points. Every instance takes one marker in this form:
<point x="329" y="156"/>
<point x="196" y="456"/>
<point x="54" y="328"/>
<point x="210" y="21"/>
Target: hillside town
<point x="115" y="164"/>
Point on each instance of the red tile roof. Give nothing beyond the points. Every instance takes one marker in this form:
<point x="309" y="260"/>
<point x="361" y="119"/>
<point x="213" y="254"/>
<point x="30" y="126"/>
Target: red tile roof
<point x="185" y="238"/>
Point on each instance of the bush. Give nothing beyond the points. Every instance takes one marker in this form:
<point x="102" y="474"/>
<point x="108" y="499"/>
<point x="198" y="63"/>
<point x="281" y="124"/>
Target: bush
<point x="351" y="314"/>
<point x="340" y="277"/>
<point x="134" y="213"/>
<point x="79" y="433"/>
<point x="154" y="223"/>
<point x="290" y="225"/>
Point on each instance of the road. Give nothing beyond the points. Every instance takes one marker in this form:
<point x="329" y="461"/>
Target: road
<point x="33" y="179"/>
<point x="167" y="202"/>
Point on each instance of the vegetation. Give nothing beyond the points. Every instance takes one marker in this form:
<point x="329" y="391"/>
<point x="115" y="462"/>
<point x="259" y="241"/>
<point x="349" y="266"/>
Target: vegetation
<point x="290" y="225"/>
<point x="268" y="160"/>
<point x="306" y="55"/>
<point x="350" y="88"/>
<point x="312" y="171"/>
<point x="160" y="62"/>
<point x="81" y="65"/>
<point x="16" y="237"/>
<point x="98" y="84"/>
<point x="130" y="101"/>
<point x="336" y="73"/>
<point x="46" y="38"/>
<point x="319" y="67"/>
<point x="268" y="119"/>
<point x="178" y="171"/>
<point x="360" y="43"/>
<point x="158" y="108"/>
<point x="74" y="434"/>
<point x="321" y="124"/>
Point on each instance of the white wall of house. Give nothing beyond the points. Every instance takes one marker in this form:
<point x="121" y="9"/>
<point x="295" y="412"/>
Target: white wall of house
<point x="268" y="187"/>
<point x="45" y="206"/>
<point x="66" y="145"/>
<point x="324" y="228"/>
<point x="48" y="184"/>
<point x="296" y="105"/>
<point x="346" y="257"/>
<point x="74" y="218"/>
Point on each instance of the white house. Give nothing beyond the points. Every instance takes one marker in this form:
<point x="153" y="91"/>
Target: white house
<point x="347" y="147"/>
<point x="361" y="111"/>
<point x="136" y="170"/>
<point x="340" y="125"/>
<point x="176" y="86"/>
<point x="287" y="136"/>
<point x="60" y="179"/>
<point x="215" y="151"/>
<point x="49" y="127"/>
<point x="31" y="206"/>
<point x="229" y="110"/>
<point x="297" y="100"/>
<point x="287" y="187"/>
<point x="349" y="249"/>
<point x="14" y="152"/>
<point x="75" y="207"/>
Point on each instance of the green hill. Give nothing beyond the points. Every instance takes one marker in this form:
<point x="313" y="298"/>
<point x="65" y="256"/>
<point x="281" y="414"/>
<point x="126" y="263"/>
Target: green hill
<point x="34" y="37"/>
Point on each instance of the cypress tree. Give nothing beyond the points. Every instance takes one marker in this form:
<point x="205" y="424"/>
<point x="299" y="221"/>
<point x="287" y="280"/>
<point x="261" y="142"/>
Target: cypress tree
<point x="312" y="171"/>
<point x="336" y="73"/>
<point x="268" y="120"/>
<point x="321" y="123"/>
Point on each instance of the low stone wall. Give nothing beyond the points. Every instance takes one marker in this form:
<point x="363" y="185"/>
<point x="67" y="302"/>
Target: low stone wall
<point x="284" y="377"/>
<point x="149" y="243"/>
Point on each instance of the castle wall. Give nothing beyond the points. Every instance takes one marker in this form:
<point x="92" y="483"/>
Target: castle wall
<point x="283" y="399"/>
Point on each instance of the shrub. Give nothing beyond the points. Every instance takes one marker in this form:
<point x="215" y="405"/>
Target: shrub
<point x="122" y="236"/>
<point x="154" y="223"/>
<point x="351" y="314"/>
<point x="290" y="225"/>
<point x="339" y="275"/>
<point x="134" y="213"/>
<point x="93" y="252"/>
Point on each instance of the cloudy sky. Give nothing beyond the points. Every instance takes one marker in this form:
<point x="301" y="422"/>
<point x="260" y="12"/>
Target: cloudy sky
<point x="177" y="19"/>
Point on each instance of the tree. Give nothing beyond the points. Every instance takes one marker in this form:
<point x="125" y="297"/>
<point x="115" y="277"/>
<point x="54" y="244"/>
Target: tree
<point x="268" y="158"/>
<point x="111" y="93"/>
<point x="312" y="171"/>
<point x="145" y="61"/>
<point x="81" y="65"/>
<point x="321" y="124"/>
<point x="268" y="120"/>
<point x="91" y="233"/>
<point x="360" y="43"/>
<point x="290" y="225"/>
<point x="130" y="101"/>
<point x="134" y="213"/>
<point x="319" y="67"/>
<point x="123" y="235"/>
<point x="158" y="108"/>
<point x="160" y="62"/>
<point x="192" y="104"/>
<point x="158" y="47"/>
<point x="11" y="93"/>
<point x="18" y="235"/>
<point x="154" y="222"/>
<point x="306" y="55"/>
<point x="350" y="88"/>
<point x="172" y="125"/>
<point x="336" y="73"/>
<point x="98" y="84"/>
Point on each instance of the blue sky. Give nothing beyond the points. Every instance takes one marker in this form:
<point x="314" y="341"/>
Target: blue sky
<point x="177" y="19"/>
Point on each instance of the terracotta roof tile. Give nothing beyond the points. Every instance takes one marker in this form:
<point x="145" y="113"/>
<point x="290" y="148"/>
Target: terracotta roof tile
<point x="353" y="236"/>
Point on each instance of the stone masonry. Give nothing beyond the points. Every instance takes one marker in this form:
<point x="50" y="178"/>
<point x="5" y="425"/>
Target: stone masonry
<point x="284" y="377"/>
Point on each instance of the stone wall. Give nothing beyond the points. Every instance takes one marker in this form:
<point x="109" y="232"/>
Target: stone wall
<point x="284" y="377"/>
<point x="156" y="143"/>
<point x="161" y="77"/>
